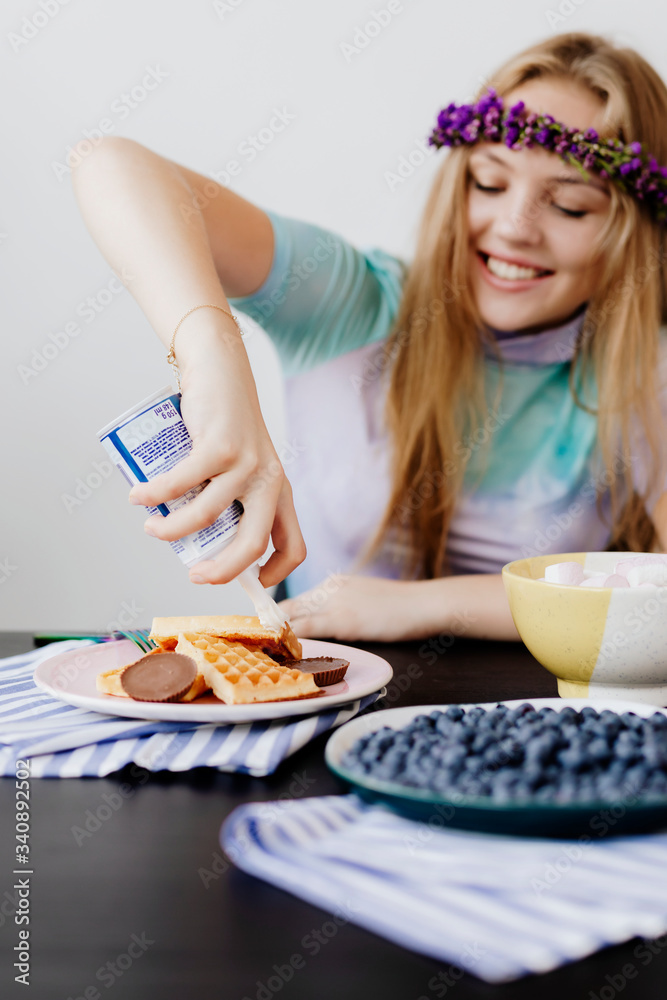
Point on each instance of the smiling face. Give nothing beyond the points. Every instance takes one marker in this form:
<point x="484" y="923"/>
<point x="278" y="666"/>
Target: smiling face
<point x="533" y="220"/>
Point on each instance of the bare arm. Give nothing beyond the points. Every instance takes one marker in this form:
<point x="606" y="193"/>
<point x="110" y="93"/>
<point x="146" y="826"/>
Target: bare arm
<point x="178" y="239"/>
<point x="370" y="608"/>
<point x="660" y="521"/>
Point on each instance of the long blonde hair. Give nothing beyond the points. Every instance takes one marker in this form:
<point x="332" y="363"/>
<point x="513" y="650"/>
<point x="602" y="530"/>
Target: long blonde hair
<point x="436" y="392"/>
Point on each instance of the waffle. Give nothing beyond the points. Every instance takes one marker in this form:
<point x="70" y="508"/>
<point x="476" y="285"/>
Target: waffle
<point x="279" y="645"/>
<point x="109" y="683"/>
<point x="241" y="676"/>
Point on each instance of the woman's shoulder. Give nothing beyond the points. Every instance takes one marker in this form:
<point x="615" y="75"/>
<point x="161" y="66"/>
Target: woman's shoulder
<point x="324" y="296"/>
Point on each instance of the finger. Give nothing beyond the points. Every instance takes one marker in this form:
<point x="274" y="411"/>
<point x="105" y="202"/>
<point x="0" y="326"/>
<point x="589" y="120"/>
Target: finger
<point x="193" y="470"/>
<point x="289" y="546"/>
<point x="249" y="545"/>
<point x="316" y="626"/>
<point x="291" y="610"/>
<point x="198" y="513"/>
<point x="288" y="607"/>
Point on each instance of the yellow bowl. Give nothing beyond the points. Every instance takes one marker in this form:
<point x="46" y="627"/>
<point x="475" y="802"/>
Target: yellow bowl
<point x="598" y="641"/>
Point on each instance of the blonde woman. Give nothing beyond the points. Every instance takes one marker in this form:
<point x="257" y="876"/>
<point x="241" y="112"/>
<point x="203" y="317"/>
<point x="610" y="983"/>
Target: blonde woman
<point x="498" y="397"/>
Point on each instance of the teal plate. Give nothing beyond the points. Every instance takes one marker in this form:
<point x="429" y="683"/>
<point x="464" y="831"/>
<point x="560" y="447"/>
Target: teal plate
<point x="591" y="819"/>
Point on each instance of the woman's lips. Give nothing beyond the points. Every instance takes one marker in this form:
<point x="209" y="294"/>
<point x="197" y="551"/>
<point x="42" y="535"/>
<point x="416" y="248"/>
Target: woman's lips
<point x="509" y="284"/>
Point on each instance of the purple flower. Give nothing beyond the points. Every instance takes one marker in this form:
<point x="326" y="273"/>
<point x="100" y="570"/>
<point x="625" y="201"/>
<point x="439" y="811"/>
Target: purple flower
<point x="625" y="168"/>
<point x="487" y="101"/>
<point x="635" y="147"/>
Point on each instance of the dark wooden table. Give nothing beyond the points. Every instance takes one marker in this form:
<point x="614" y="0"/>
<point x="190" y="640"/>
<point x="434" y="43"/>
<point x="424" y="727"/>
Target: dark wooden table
<point x="134" y="887"/>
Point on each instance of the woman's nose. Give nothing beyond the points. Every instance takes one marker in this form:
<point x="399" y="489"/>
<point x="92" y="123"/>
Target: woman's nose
<point x="521" y="219"/>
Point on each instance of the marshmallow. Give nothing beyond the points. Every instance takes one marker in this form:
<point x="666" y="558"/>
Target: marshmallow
<point x="568" y="573"/>
<point x="623" y="567"/>
<point x="652" y="573"/>
<point x="599" y="580"/>
<point x="615" y="580"/>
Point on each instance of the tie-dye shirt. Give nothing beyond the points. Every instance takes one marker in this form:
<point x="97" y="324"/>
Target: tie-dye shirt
<point x="532" y="475"/>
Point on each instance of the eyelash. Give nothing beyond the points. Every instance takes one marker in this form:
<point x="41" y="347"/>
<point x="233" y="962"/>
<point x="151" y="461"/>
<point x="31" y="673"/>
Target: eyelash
<point x="570" y="213"/>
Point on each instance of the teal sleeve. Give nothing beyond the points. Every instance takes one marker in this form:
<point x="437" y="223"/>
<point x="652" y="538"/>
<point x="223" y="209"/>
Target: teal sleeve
<point x="322" y="296"/>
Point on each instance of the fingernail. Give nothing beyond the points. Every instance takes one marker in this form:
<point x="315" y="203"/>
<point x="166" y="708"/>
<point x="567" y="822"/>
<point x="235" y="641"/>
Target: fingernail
<point x="197" y="579"/>
<point x="149" y="529"/>
<point x="134" y="500"/>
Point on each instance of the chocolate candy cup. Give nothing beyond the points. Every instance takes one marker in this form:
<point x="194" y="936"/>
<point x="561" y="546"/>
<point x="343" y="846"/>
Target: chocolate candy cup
<point x="159" y="676"/>
<point x="326" y="670"/>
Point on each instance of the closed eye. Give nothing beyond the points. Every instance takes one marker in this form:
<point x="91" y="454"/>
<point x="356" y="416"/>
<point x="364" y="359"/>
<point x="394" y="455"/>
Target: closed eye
<point x="481" y="187"/>
<point x="570" y="212"/>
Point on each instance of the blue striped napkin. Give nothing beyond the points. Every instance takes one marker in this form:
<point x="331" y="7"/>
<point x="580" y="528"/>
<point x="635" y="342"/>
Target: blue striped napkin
<point x="67" y="742"/>
<point x="499" y="907"/>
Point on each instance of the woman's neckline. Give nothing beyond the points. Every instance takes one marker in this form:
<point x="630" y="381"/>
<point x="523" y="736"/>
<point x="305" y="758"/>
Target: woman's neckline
<point x="553" y="346"/>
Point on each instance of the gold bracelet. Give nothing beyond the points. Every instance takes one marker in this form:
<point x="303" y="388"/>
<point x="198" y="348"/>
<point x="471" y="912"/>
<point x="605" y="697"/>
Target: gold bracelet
<point x="171" y="356"/>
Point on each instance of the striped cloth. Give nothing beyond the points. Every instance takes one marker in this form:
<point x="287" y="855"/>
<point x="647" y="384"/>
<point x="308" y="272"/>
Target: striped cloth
<point x="499" y="907"/>
<point x="67" y="742"/>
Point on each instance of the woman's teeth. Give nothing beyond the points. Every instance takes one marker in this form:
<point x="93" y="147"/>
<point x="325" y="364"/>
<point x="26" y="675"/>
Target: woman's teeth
<point x="512" y="272"/>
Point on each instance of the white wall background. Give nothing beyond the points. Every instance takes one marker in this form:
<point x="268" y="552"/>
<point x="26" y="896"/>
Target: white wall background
<point x="225" y="67"/>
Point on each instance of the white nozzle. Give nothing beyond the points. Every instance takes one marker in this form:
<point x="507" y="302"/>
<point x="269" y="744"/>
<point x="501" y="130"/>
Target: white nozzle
<point x="267" y="610"/>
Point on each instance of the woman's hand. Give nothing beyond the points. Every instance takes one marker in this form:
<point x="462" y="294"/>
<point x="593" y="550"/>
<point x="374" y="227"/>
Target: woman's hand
<point x="357" y="608"/>
<point x="232" y="448"/>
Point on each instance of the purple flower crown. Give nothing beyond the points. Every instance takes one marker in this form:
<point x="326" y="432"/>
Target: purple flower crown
<point x="634" y="171"/>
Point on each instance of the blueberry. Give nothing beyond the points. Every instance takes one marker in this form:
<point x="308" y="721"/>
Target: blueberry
<point x="545" y="794"/>
<point x="444" y="726"/>
<point x="454" y="712"/>
<point x="531" y="716"/>
<point x="655" y="754"/>
<point x="422" y="723"/>
<point x="599" y="750"/>
<point x="573" y="759"/>
<point x="547" y="712"/>
<point x="482" y="741"/>
<point x="474" y="765"/>
<point x="532" y="775"/>
<point x="541" y="749"/>
<point x="465" y="736"/>
<point x="443" y="781"/>
<point x="627" y="753"/>
<point x="511" y="751"/>
<point x="454" y="756"/>
<point x="631" y="720"/>
<point x="499" y="711"/>
<point x="658" y="783"/>
<point x="566" y="792"/>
